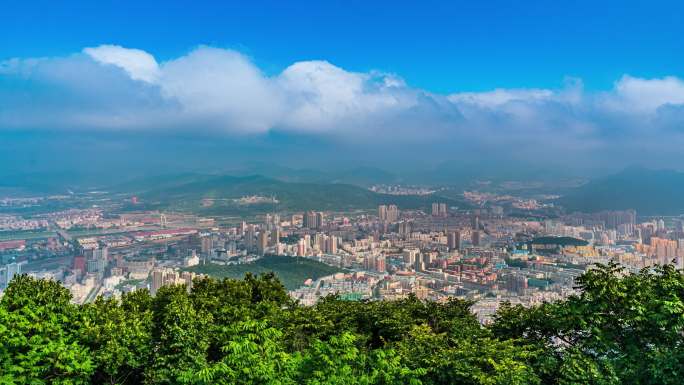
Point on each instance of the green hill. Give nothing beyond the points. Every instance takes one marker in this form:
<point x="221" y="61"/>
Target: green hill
<point x="158" y="182"/>
<point x="360" y="176"/>
<point x="222" y="190"/>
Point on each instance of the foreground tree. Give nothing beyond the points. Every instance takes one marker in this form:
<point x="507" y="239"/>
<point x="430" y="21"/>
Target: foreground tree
<point x="340" y="361"/>
<point x="118" y="333"/>
<point x="619" y="328"/>
<point x="252" y="355"/>
<point x="38" y="335"/>
<point x="179" y="337"/>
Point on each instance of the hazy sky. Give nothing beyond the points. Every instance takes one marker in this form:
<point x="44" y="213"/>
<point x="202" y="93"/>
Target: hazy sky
<point x="169" y="85"/>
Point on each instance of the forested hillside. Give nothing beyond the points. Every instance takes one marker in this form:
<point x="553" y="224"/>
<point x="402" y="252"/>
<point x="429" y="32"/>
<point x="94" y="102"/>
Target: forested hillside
<point x="187" y="194"/>
<point x="619" y="329"/>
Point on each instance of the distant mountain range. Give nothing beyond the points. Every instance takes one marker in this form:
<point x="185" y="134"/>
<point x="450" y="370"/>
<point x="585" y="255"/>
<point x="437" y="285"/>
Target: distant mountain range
<point x="360" y="176"/>
<point x="193" y="191"/>
<point x="649" y="192"/>
<point x="61" y="182"/>
<point x="455" y="174"/>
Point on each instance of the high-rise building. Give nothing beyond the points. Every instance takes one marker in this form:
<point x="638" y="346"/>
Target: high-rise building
<point x="319" y="241"/>
<point x="410" y="256"/>
<point x="301" y="247"/>
<point x="186" y="277"/>
<point x="275" y="236"/>
<point x="97" y="261"/>
<point x="418" y="264"/>
<point x="97" y="265"/>
<point x="442" y="210"/>
<point x="368" y="262"/>
<point x="207" y="245"/>
<point x="439" y="209"/>
<point x="272" y="221"/>
<point x="101" y="253"/>
<point x="382" y="212"/>
<point x="392" y="213"/>
<point x="516" y="283"/>
<point x="79" y="263"/>
<point x="157" y="281"/>
<point x="310" y="220"/>
<point x="262" y="242"/>
<point x="165" y="277"/>
<point x="331" y="245"/>
<point x="170" y="277"/>
<point x="608" y="219"/>
<point x="404" y="228"/>
<point x="249" y="238"/>
<point x="475" y="221"/>
<point x="231" y="248"/>
<point x="454" y="241"/>
<point x="660" y="224"/>
<point x="429" y="258"/>
<point x="475" y="238"/>
<point x="374" y="263"/>
<point x="267" y="221"/>
<point x="380" y="264"/>
<point x="8" y="272"/>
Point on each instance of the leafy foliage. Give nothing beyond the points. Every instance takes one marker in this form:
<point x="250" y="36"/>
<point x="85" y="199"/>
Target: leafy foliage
<point x="39" y="344"/>
<point x="619" y="328"/>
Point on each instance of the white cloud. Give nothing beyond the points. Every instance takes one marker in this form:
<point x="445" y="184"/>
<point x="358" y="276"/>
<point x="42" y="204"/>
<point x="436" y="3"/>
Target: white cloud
<point x="221" y="90"/>
<point x="499" y="96"/>
<point x="321" y="95"/>
<point x="139" y="64"/>
<point x="646" y="95"/>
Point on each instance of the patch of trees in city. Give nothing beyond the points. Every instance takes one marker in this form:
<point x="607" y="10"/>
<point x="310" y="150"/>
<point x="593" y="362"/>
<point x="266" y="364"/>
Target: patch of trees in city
<point x="619" y="328"/>
<point x="291" y="272"/>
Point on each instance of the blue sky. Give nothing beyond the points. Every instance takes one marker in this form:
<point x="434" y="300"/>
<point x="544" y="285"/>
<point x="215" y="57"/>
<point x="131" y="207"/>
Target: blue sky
<point x="442" y="46"/>
<point x="574" y="85"/>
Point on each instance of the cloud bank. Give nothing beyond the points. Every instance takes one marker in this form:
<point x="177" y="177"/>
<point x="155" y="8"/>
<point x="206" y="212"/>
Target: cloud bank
<point x="221" y="92"/>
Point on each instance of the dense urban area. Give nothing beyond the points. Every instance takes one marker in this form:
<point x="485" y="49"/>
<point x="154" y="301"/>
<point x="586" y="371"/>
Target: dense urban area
<point x="480" y="253"/>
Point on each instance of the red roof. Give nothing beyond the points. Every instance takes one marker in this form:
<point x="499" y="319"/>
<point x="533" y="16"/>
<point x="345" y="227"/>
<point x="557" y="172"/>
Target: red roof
<point x="8" y="245"/>
<point x="165" y="232"/>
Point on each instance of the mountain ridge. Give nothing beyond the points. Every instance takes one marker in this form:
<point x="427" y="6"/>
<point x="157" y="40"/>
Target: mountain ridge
<point x="221" y="190"/>
<point x="648" y="191"/>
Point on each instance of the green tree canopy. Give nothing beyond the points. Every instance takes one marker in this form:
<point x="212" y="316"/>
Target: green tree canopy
<point x="619" y="328"/>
